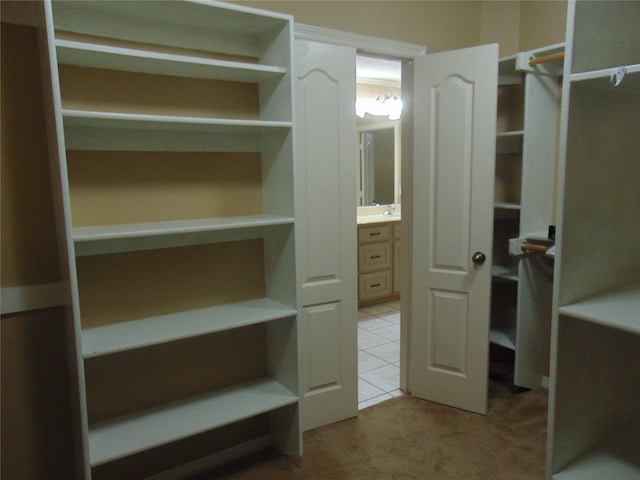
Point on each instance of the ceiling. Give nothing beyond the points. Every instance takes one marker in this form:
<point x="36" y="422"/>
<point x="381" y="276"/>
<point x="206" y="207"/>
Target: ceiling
<point x="378" y="71"/>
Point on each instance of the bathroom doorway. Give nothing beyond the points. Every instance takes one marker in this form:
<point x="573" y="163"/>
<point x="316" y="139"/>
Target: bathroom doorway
<point x="378" y="112"/>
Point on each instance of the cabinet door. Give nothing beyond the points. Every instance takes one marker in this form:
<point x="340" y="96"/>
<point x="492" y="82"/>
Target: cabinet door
<point x="454" y="118"/>
<point x="326" y="177"/>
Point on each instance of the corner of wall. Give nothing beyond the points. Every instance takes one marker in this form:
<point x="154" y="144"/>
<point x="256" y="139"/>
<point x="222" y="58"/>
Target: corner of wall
<point x="500" y="22"/>
<point x="542" y="23"/>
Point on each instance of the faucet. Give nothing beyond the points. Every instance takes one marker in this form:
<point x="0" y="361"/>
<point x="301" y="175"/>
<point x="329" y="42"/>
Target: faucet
<point x="391" y="209"/>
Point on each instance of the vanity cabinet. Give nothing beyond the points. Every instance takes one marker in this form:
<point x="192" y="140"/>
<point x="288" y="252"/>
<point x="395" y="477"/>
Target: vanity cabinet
<point x="173" y="131"/>
<point x="528" y="106"/>
<point x="397" y="237"/>
<point x="594" y="417"/>
<point x="378" y="247"/>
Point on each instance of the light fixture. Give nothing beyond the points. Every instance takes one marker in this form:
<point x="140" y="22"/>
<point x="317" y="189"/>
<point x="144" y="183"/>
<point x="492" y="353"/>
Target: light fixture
<point x="382" y="106"/>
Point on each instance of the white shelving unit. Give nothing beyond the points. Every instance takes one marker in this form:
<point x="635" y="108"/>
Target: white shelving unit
<point x="594" y="421"/>
<point x="528" y="103"/>
<point x="185" y="314"/>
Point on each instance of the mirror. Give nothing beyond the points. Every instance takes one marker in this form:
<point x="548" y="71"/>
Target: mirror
<point x="379" y="164"/>
<point x="378" y="109"/>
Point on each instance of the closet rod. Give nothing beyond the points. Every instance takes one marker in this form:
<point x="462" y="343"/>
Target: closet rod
<point x="546" y="58"/>
<point x="530" y="247"/>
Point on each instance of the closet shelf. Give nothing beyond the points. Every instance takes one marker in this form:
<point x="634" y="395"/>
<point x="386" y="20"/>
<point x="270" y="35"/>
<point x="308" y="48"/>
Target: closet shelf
<point x="616" y="457"/>
<point x="137" y="121"/>
<point x="106" y="239"/>
<point x="118" y="337"/>
<point x="232" y="29"/>
<point x="505" y="337"/>
<point x="137" y="230"/>
<point x="85" y="54"/>
<point x="93" y="130"/>
<point x="135" y="433"/>
<point x="509" y="142"/>
<point x="511" y="134"/>
<point x="619" y="309"/>
<point x="507" y="73"/>
<point x="505" y="273"/>
<point x="542" y="236"/>
<point x="601" y="78"/>
<point x="507" y="206"/>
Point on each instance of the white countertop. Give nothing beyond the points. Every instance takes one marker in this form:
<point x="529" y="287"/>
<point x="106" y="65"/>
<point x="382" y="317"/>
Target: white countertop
<point x="375" y="214"/>
<point x="378" y="218"/>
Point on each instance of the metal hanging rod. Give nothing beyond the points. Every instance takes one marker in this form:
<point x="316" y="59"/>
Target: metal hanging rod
<point x="546" y="58"/>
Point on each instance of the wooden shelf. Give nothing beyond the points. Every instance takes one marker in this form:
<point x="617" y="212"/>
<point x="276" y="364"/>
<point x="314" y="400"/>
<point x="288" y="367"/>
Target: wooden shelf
<point x="509" y="142"/>
<point x="507" y="206"/>
<point x="505" y="337"/>
<point x="594" y="431"/>
<point x="233" y="29"/>
<point x="135" y="433"/>
<point x="507" y="73"/>
<point x="198" y="40"/>
<point x="619" y="309"/>
<point x="136" y="121"/>
<point x="130" y="237"/>
<point x="145" y="332"/>
<point x="511" y="134"/>
<point x="84" y="54"/>
<point x="617" y="457"/>
<point x="93" y="130"/>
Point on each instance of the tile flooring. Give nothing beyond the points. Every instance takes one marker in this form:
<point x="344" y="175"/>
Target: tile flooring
<point x="378" y="353"/>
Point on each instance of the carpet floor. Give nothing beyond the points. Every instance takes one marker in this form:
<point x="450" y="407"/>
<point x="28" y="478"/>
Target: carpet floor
<point x="408" y="438"/>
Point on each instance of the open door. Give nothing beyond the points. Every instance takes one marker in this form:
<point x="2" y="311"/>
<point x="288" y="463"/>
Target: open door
<point x="451" y="177"/>
<point x="326" y="166"/>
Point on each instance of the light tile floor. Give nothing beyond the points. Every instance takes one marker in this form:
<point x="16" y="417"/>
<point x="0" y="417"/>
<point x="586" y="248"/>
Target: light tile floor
<point x="378" y="353"/>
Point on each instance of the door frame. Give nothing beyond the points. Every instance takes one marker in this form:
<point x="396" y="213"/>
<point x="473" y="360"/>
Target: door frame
<point x="404" y="52"/>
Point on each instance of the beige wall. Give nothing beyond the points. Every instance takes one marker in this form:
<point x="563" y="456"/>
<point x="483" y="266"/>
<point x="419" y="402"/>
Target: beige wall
<point x="36" y="417"/>
<point x="542" y="23"/>
<point x="36" y="436"/>
<point x="500" y="23"/>
<point x="438" y="25"/>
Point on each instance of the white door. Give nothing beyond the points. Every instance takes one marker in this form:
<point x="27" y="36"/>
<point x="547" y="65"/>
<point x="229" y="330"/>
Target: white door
<point x="326" y="164"/>
<point x="452" y="177"/>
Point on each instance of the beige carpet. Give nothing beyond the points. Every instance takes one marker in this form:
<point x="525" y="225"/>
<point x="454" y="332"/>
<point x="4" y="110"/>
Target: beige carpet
<point x="407" y="438"/>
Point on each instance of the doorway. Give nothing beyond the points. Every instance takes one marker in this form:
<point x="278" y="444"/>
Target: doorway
<point x="378" y="96"/>
<point x="328" y="287"/>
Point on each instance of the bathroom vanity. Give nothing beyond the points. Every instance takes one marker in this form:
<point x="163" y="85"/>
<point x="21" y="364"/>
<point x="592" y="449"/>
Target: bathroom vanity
<point x="378" y="255"/>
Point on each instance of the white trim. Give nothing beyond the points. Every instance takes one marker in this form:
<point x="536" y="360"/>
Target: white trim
<point x="363" y="43"/>
<point x="378" y="82"/>
<point x="32" y="297"/>
<point x="380" y="47"/>
<point x="545" y="382"/>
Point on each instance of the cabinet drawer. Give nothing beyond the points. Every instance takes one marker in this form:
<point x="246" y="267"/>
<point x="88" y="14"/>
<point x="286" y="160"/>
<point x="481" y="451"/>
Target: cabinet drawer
<point x="374" y="256"/>
<point x="374" y="285"/>
<point x="380" y="233"/>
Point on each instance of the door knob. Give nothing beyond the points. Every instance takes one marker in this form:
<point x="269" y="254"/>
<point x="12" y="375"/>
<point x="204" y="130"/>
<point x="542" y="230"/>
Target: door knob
<point x="478" y="258"/>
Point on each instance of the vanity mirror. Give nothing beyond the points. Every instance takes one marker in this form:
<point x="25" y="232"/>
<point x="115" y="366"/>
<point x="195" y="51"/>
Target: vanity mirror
<point x="378" y="109"/>
<point x="379" y="163"/>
